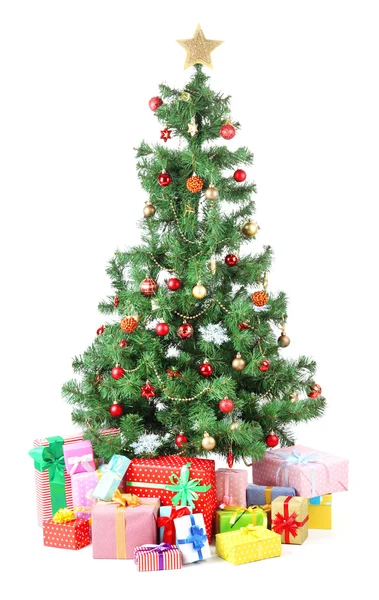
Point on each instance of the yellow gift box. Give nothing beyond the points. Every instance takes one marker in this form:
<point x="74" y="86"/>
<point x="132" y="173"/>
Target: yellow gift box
<point x="320" y="512"/>
<point x="248" y="545"/>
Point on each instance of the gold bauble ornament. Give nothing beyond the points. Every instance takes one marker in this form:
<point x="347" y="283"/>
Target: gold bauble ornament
<point x="295" y="397"/>
<point x="211" y="193"/>
<point x="199" y="291"/>
<point x="250" y="228"/>
<point x="284" y="340"/>
<point x="238" y="363"/>
<point x="149" y="209"/>
<point x="234" y="425"/>
<point x="208" y="442"/>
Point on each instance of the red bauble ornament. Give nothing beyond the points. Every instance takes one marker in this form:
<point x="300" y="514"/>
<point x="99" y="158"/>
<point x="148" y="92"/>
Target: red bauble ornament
<point x="264" y="366"/>
<point x="259" y="298"/>
<point x="181" y="439"/>
<point x="174" y="284"/>
<point x="117" y="372"/>
<point x="129" y="324"/>
<point x="272" y="440"/>
<point x="315" y="391"/>
<point x="243" y="326"/>
<point x="148" y="287"/>
<point x="194" y="184"/>
<point x="123" y="343"/>
<point x="116" y="409"/>
<point x="100" y="330"/>
<point x="164" y="179"/>
<point x="165" y="134"/>
<point x="155" y="103"/>
<point x="162" y="328"/>
<point x="239" y="175"/>
<point x="226" y="405"/>
<point x="231" y="260"/>
<point x="148" y="390"/>
<point x="206" y="369"/>
<point x="230" y="459"/>
<point x="228" y="131"/>
<point x="185" y="331"/>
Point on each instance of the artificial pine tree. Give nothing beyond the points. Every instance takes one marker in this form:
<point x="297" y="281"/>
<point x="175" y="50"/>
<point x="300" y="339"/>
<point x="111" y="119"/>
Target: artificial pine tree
<point x="191" y="360"/>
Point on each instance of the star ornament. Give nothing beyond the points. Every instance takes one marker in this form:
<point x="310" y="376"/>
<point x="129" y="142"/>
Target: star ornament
<point x="192" y="127"/>
<point x="148" y="390"/>
<point x="165" y="134"/>
<point x="199" y="49"/>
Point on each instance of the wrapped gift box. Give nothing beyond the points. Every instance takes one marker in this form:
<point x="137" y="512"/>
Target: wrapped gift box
<point x="248" y="544"/>
<point x="164" y="557"/>
<point x="192" y="538"/>
<point x="78" y="457"/>
<point x="310" y="472"/>
<point x="53" y="485"/>
<point x="118" y="528"/>
<point x="320" y="512"/>
<point x="72" y="535"/>
<point x="262" y="495"/>
<point x="232" y="518"/>
<point x="177" y="481"/>
<point x="111" y="477"/>
<point x="166" y="522"/>
<point x="290" y="518"/>
<point x="231" y="487"/>
<point x="82" y="486"/>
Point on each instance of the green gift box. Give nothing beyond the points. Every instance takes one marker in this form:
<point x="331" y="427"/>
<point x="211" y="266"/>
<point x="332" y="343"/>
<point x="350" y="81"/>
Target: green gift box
<point x="232" y="518"/>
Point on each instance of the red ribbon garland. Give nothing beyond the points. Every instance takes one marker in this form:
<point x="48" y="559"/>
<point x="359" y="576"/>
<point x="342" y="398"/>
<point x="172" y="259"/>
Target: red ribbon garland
<point x="287" y="522"/>
<point x="169" y="534"/>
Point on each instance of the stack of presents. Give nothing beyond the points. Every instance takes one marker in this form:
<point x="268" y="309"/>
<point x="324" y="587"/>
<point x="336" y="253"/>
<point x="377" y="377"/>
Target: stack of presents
<point x="164" y="512"/>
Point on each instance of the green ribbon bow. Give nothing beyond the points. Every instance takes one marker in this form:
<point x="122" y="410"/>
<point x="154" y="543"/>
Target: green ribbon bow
<point x="50" y="458"/>
<point x="187" y="489"/>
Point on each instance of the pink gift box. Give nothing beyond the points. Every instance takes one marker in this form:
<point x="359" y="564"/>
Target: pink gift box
<point x="139" y="527"/>
<point x="231" y="485"/>
<point x="82" y="484"/>
<point x="78" y="457"/>
<point x="311" y="472"/>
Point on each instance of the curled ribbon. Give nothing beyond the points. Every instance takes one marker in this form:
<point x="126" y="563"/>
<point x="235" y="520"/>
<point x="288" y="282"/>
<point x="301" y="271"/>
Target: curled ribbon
<point x="64" y="515"/>
<point x="197" y="537"/>
<point x="84" y="460"/>
<point x="297" y="458"/>
<point x="287" y="523"/>
<point x="149" y="548"/>
<point x="169" y="534"/>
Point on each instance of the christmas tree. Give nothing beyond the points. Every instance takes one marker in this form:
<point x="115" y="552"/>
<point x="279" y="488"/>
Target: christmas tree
<point x="191" y="360"/>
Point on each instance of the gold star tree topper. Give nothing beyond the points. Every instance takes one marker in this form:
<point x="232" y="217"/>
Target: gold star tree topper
<point x="199" y="49"/>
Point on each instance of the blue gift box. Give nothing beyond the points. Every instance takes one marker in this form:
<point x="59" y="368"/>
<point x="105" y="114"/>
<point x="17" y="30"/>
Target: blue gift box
<point x="111" y="478"/>
<point x="261" y="494"/>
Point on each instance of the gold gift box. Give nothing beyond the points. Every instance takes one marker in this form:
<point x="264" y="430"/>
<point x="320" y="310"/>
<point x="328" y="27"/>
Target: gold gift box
<point x="320" y="512"/>
<point x="248" y="545"/>
<point x="289" y="518"/>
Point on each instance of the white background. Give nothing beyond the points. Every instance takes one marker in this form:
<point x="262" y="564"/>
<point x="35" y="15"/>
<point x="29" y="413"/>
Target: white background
<point x="75" y="79"/>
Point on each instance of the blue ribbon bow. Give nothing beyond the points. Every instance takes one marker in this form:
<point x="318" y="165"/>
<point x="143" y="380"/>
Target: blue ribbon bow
<point x="297" y="458"/>
<point x="197" y="537"/>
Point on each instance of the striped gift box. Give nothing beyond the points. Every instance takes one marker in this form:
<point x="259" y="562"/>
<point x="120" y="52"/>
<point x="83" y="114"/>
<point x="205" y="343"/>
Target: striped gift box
<point x="44" y="510"/>
<point x="152" y="557"/>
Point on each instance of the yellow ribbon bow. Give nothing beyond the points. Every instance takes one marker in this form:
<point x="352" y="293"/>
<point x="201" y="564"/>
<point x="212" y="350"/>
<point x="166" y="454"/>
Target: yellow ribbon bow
<point x="64" y="515"/>
<point x="250" y="530"/>
<point x="125" y="499"/>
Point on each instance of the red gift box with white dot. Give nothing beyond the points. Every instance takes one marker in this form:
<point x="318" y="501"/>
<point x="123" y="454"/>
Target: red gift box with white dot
<point x="159" y="470"/>
<point x="72" y="535"/>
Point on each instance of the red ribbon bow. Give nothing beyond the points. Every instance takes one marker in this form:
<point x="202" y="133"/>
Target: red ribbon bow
<point x="287" y="522"/>
<point x="169" y="534"/>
